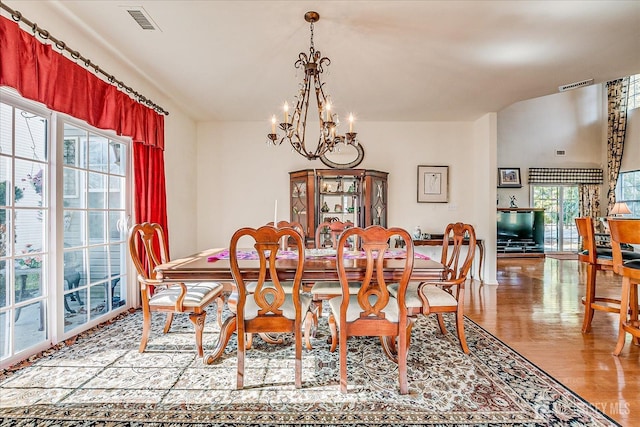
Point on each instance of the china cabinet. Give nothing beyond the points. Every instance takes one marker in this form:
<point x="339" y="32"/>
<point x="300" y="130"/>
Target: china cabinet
<point x="355" y="195"/>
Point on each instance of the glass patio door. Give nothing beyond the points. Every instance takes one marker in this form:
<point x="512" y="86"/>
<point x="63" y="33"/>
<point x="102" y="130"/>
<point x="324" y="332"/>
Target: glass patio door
<point x="561" y="207"/>
<point x="63" y="249"/>
<point x="24" y="216"/>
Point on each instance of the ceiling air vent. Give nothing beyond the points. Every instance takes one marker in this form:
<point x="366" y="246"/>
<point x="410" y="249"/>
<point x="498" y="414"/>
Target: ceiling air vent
<point x="575" y="85"/>
<point x="561" y="153"/>
<point x="142" y="18"/>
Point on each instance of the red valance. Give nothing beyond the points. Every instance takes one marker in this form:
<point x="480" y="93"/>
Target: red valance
<point x="41" y="74"/>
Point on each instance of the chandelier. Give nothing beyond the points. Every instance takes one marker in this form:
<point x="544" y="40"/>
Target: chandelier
<point x="293" y="128"/>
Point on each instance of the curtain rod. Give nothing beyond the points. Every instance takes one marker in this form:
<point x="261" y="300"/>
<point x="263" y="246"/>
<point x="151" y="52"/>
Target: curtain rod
<point x="75" y="55"/>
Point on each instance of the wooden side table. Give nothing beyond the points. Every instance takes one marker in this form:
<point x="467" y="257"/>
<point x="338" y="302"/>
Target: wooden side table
<point x="438" y="242"/>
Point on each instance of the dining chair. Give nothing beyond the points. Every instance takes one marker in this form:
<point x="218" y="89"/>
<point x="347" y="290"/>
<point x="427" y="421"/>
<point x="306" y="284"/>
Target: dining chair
<point x="148" y="248"/>
<point x="439" y="297"/>
<point x="325" y="289"/>
<point x="269" y="307"/>
<point x="626" y="231"/>
<point x="372" y="311"/>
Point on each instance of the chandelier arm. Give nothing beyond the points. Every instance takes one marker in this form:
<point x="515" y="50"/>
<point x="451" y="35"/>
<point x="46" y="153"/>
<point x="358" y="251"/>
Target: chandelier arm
<point x="304" y="112"/>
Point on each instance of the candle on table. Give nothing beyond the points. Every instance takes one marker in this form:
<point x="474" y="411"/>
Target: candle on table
<point x="275" y="214"/>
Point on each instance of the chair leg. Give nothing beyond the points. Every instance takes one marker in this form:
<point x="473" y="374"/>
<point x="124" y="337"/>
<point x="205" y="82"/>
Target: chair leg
<point x="403" y="349"/>
<point x="167" y="323"/>
<point x="240" y="357"/>
<point x="308" y="324"/>
<point x="333" y="327"/>
<point x="146" y="330"/>
<point x="590" y="293"/>
<point x="298" y="339"/>
<point x="198" y="323"/>
<point x="624" y="310"/>
<point x="220" y="307"/>
<point x="248" y="341"/>
<point x="343" y="361"/>
<point x="460" y="330"/>
<point x="443" y="328"/>
<point x="634" y="312"/>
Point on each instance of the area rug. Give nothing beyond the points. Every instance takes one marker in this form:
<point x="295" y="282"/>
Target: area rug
<point x="102" y="380"/>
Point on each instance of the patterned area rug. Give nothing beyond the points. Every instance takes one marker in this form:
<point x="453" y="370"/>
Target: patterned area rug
<point x="103" y="380"/>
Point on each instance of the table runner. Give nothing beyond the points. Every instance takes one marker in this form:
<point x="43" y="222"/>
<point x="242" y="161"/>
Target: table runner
<point x="252" y="254"/>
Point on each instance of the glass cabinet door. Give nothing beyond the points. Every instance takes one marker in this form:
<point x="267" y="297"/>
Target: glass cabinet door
<point x="301" y="201"/>
<point x="339" y="199"/>
<point x="378" y="201"/>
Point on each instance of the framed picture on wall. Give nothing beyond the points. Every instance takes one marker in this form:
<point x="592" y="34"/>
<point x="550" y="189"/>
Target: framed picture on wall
<point x="509" y="178"/>
<point x="433" y="184"/>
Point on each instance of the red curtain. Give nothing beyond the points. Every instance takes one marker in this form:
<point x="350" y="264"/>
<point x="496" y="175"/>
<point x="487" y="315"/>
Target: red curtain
<point x="41" y="74"/>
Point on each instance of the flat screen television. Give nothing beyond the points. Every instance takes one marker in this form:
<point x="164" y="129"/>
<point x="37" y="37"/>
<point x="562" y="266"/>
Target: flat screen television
<point x="515" y="225"/>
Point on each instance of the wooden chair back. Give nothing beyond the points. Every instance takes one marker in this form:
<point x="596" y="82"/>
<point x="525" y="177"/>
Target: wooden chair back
<point x="285" y="243"/>
<point x="586" y="231"/>
<point x="268" y="307"/>
<point x="335" y="228"/>
<point x="148" y="249"/>
<point x="373" y="312"/>
<point x="625" y="231"/>
<point x="456" y="266"/>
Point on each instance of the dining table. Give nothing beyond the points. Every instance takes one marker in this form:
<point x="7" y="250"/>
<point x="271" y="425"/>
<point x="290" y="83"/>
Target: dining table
<point x="213" y="265"/>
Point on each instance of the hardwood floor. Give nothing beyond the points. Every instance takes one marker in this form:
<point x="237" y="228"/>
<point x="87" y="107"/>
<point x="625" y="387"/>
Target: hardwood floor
<point x="536" y="310"/>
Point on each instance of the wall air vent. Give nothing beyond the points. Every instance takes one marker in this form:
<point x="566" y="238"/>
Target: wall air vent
<point x="575" y="85"/>
<point x="141" y="17"/>
<point x="561" y="153"/>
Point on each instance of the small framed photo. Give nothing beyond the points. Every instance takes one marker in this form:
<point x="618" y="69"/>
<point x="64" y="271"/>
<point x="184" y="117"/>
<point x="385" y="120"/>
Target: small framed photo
<point x="509" y="178"/>
<point x="433" y="184"/>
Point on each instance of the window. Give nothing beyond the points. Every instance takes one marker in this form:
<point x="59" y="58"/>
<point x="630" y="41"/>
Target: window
<point x="634" y="92"/>
<point x="628" y="191"/>
<point x="63" y="242"/>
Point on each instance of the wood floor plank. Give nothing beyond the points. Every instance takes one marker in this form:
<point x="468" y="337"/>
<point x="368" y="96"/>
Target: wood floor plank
<point x="536" y="309"/>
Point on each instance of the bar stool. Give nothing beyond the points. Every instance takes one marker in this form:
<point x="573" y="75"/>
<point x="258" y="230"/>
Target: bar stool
<point x="597" y="259"/>
<point x="626" y="231"/>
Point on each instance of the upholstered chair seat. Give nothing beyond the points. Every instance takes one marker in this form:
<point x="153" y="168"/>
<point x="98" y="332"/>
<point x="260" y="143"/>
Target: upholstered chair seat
<point x="197" y="295"/>
<point x="436" y="296"/>
<point x="353" y="311"/>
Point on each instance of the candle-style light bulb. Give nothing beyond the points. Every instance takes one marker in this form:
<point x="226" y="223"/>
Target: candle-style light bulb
<point x="273" y="124"/>
<point x="328" y="111"/>
<point x="286" y="112"/>
<point x="350" y="122"/>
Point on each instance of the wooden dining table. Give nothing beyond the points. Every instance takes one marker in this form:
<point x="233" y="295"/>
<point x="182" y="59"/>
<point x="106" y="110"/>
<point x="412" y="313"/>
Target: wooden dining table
<point x="204" y="266"/>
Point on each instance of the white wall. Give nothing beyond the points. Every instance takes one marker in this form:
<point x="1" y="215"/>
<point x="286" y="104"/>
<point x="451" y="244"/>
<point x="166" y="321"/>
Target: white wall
<point x="530" y="132"/>
<point x="240" y="177"/>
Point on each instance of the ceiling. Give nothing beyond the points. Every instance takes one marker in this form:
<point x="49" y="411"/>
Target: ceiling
<point x="390" y="60"/>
